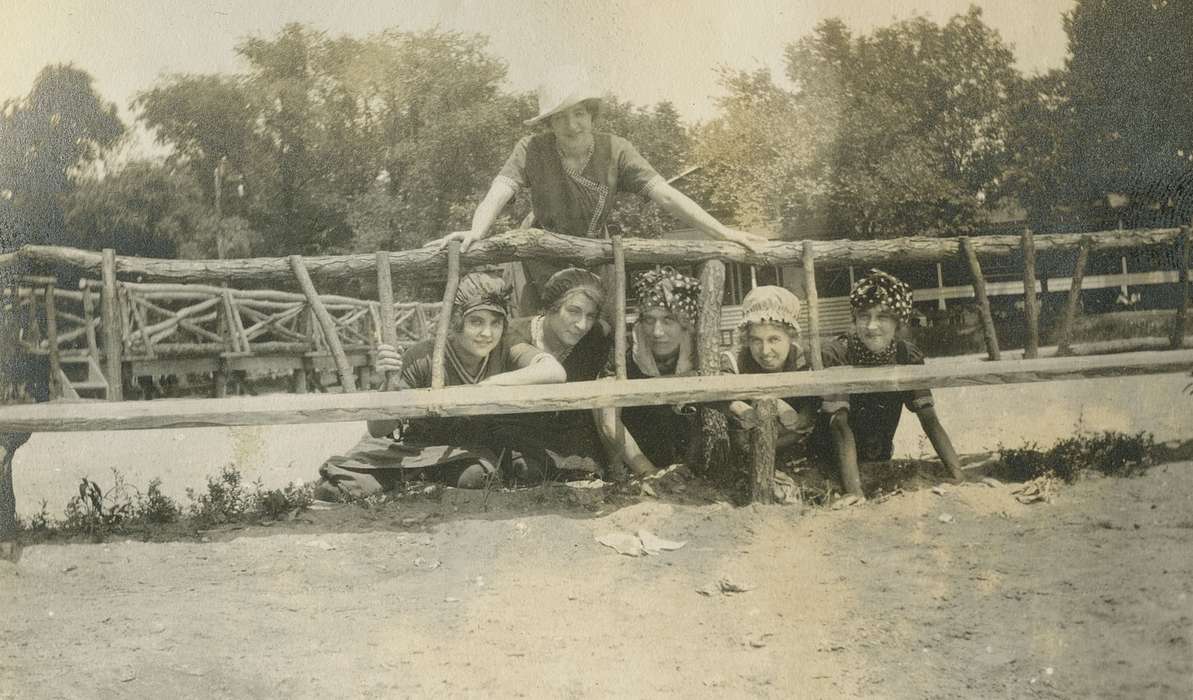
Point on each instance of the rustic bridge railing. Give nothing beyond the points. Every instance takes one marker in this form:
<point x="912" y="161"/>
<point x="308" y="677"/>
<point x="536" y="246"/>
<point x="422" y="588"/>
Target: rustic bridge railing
<point x="709" y="257"/>
<point x="168" y="328"/>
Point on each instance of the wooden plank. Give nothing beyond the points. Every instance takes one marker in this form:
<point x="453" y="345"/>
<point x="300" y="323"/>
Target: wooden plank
<point x="762" y="452"/>
<point x="445" y="313"/>
<point x="1177" y="336"/>
<point x="533" y="243"/>
<point x="142" y="322"/>
<point x="619" y="310"/>
<point x="1072" y="304"/>
<point x="1031" y="303"/>
<point x="813" y="300"/>
<point x="113" y="327"/>
<point x="480" y="400"/>
<point x="347" y="378"/>
<point x="385" y="298"/>
<point x="979" y="291"/>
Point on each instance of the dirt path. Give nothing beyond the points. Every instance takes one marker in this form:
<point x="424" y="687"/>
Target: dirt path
<point x="442" y="598"/>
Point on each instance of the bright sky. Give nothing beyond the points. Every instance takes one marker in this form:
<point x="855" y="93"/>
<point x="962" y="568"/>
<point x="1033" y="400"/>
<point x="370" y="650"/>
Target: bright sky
<point x="643" y="51"/>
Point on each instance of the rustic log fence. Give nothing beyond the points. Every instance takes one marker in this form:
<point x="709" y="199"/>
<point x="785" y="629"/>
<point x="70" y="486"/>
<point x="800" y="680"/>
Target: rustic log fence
<point x="147" y="322"/>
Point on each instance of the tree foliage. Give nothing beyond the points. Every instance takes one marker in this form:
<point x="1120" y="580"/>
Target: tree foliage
<point x="342" y="142"/>
<point x="900" y="131"/>
<point x="1130" y="78"/>
<point x="61" y="125"/>
<point x="153" y="210"/>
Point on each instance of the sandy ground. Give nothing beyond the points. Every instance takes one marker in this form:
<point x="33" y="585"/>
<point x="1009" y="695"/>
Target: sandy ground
<point x="1089" y="596"/>
<point x="978" y="420"/>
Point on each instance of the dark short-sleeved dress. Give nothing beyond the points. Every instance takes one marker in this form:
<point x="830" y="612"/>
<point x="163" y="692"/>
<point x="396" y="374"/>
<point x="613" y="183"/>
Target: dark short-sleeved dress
<point x="665" y="436"/>
<point x="433" y="448"/>
<point x="874" y="417"/>
<point x="576" y="203"/>
<point x="565" y="433"/>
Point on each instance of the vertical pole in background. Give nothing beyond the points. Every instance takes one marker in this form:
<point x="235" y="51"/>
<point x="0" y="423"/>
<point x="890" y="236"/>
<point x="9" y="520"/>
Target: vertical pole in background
<point x="385" y="299"/>
<point x="445" y="313"/>
<point x="56" y="387"/>
<point x="979" y="292"/>
<point x="940" y="303"/>
<point x="1072" y="303"/>
<point x="347" y="376"/>
<point x="1031" y="304"/>
<point x="1177" y="337"/>
<point x="113" y="327"/>
<point x="619" y="309"/>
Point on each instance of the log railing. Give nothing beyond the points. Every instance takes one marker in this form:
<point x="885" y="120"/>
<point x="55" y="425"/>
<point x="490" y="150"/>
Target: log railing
<point x="150" y="323"/>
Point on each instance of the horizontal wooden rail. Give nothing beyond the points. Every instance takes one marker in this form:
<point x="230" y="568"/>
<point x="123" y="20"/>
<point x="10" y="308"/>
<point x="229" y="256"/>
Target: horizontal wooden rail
<point x="473" y="400"/>
<point x="532" y="243"/>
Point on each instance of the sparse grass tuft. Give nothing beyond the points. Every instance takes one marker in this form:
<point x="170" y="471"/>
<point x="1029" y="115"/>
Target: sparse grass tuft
<point x="1111" y="453"/>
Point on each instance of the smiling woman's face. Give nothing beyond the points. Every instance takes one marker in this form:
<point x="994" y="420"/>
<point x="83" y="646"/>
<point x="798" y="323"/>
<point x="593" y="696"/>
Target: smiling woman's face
<point x="480" y="331"/>
<point x="573" y="319"/>
<point x="876" y="326"/>
<point x="572" y="123"/>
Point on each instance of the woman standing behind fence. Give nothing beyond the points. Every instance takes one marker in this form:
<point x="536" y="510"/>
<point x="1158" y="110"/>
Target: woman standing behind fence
<point x="573" y="172"/>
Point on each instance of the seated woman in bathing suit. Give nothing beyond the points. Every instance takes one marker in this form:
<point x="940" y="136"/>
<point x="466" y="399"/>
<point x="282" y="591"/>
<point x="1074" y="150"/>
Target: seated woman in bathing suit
<point x="461" y="451"/>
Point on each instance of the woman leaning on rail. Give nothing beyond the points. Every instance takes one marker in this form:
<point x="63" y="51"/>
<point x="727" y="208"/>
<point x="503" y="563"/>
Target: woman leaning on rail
<point x="573" y="172"/>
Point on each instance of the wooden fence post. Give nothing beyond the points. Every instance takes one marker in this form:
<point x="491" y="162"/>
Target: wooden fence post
<point x="619" y="308"/>
<point x="708" y="319"/>
<point x="1031" y="304"/>
<point x="813" y="300"/>
<point x="445" y="313"/>
<point x="113" y="327"/>
<point x="1071" y="304"/>
<point x="1177" y="337"/>
<point x="762" y="451"/>
<point x="385" y="299"/>
<point x="979" y="292"/>
<point x="56" y="387"/>
<point x="347" y="378"/>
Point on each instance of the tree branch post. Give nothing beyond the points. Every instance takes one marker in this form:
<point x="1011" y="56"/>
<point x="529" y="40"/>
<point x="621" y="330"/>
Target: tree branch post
<point x="762" y="451"/>
<point x="619" y="308"/>
<point x="813" y="300"/>
<point x="113" y="327"/>
<point x="1177" y="336"/>
<point x="979" y="292"/>
<point x="385" y="298"/>
<point x="343" y="368"/>
<point x="1031" y="303"/>
<point x="1072" y="304"/>
<point x="445" y="313"/>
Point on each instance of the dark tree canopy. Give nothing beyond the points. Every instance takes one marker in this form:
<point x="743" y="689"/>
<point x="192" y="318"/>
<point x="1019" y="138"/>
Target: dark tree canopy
<point x="1131" y="86"/>
<point x="60" y="126"/>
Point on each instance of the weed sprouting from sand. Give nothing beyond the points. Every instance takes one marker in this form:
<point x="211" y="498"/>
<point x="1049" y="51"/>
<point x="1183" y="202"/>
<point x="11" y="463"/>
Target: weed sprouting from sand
<point x="1111" y="453"/>
<point x="98" y="512"/>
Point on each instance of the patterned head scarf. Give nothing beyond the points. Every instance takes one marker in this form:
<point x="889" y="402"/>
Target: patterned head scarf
<point x="570" y="279"/>
<point x="770" y="304"/>
<point x="879" y="287"/>
<point x="478" y="290"/>
<point x="666" y="288"/>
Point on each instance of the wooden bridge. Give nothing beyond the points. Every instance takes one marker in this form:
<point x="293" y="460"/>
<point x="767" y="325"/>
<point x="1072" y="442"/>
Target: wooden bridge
<point x="160" y="319"/>
<point x="183" y="330"/>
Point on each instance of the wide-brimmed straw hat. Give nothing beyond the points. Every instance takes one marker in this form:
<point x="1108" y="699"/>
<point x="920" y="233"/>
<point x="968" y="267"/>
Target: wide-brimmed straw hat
<point x="564" y="87"/>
